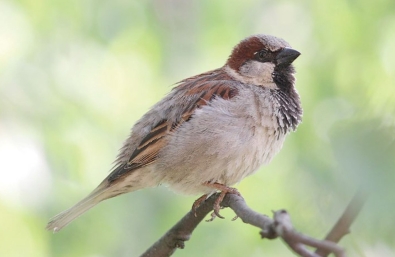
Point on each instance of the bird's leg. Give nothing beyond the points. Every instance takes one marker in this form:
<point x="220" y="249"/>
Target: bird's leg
<point x="220" y="187"/>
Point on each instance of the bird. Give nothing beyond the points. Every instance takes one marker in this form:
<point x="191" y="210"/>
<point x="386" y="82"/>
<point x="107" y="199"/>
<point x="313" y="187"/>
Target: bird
<point x="210" y="131"/>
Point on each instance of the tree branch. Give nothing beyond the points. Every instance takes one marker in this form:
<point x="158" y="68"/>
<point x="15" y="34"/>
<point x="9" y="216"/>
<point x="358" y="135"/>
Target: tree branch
<point x="298" y="242"/>
<point x="279" y="226"/>
<point x="180" y="232"/>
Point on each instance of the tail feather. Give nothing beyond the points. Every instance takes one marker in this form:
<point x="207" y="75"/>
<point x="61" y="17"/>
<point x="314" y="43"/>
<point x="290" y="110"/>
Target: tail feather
<point x="64" y="218"/>
<point x="104" y="191"/>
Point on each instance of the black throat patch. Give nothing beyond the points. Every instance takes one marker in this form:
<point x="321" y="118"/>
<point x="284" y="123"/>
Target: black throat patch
<point x="290" y="111"/>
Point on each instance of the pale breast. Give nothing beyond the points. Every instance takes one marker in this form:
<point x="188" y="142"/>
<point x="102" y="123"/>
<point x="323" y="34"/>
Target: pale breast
<point x="223" y="142"/>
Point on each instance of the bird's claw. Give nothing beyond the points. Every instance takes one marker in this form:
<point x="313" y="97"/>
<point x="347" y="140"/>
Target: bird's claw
<point x="217" y="204"/>
<point x="197" y="203"/>
<point x="213" y="216"/>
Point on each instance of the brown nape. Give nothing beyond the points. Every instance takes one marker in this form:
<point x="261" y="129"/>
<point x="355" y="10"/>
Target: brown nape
<point x="244" y="51"/>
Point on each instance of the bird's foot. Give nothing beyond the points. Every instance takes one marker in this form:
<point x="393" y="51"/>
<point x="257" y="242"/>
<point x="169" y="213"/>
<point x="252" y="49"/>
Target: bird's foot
<point x="197" y="203"/>
<point x="217" y="204"/>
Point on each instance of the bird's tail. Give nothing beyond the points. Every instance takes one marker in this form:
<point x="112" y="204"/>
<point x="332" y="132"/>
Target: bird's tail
<point x="105" y="190"/>
<point x="64" y="218"/>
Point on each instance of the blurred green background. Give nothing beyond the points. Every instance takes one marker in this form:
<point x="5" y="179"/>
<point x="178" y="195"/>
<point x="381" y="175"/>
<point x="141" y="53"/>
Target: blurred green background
<point x="75" y="75"/>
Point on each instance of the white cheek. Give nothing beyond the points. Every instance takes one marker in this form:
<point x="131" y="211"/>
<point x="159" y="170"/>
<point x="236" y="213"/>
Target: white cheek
<point x="256" y="73"/>
<point x="261" y="71"/>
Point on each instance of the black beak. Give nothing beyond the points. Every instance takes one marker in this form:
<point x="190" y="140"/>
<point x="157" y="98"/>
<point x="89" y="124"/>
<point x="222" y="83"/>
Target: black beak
<point x="286" y="56"/>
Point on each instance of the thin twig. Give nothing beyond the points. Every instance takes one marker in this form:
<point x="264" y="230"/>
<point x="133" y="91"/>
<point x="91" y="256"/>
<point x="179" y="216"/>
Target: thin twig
<point x="342" y="226"/>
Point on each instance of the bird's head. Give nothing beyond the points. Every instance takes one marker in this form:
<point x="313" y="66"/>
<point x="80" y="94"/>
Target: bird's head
<point x="263" y="60"/>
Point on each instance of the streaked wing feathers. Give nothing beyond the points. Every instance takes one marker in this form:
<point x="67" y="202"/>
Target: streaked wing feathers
<point x="202" y="89"/>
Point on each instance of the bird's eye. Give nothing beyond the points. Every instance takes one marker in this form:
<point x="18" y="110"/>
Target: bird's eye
<point x="262" y="56"/>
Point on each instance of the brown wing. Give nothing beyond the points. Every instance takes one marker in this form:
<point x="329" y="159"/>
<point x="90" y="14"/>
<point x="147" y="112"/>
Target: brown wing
<point x="202" y="89"/>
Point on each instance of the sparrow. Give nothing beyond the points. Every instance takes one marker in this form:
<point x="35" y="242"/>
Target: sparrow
<point x="211" y="131"/>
